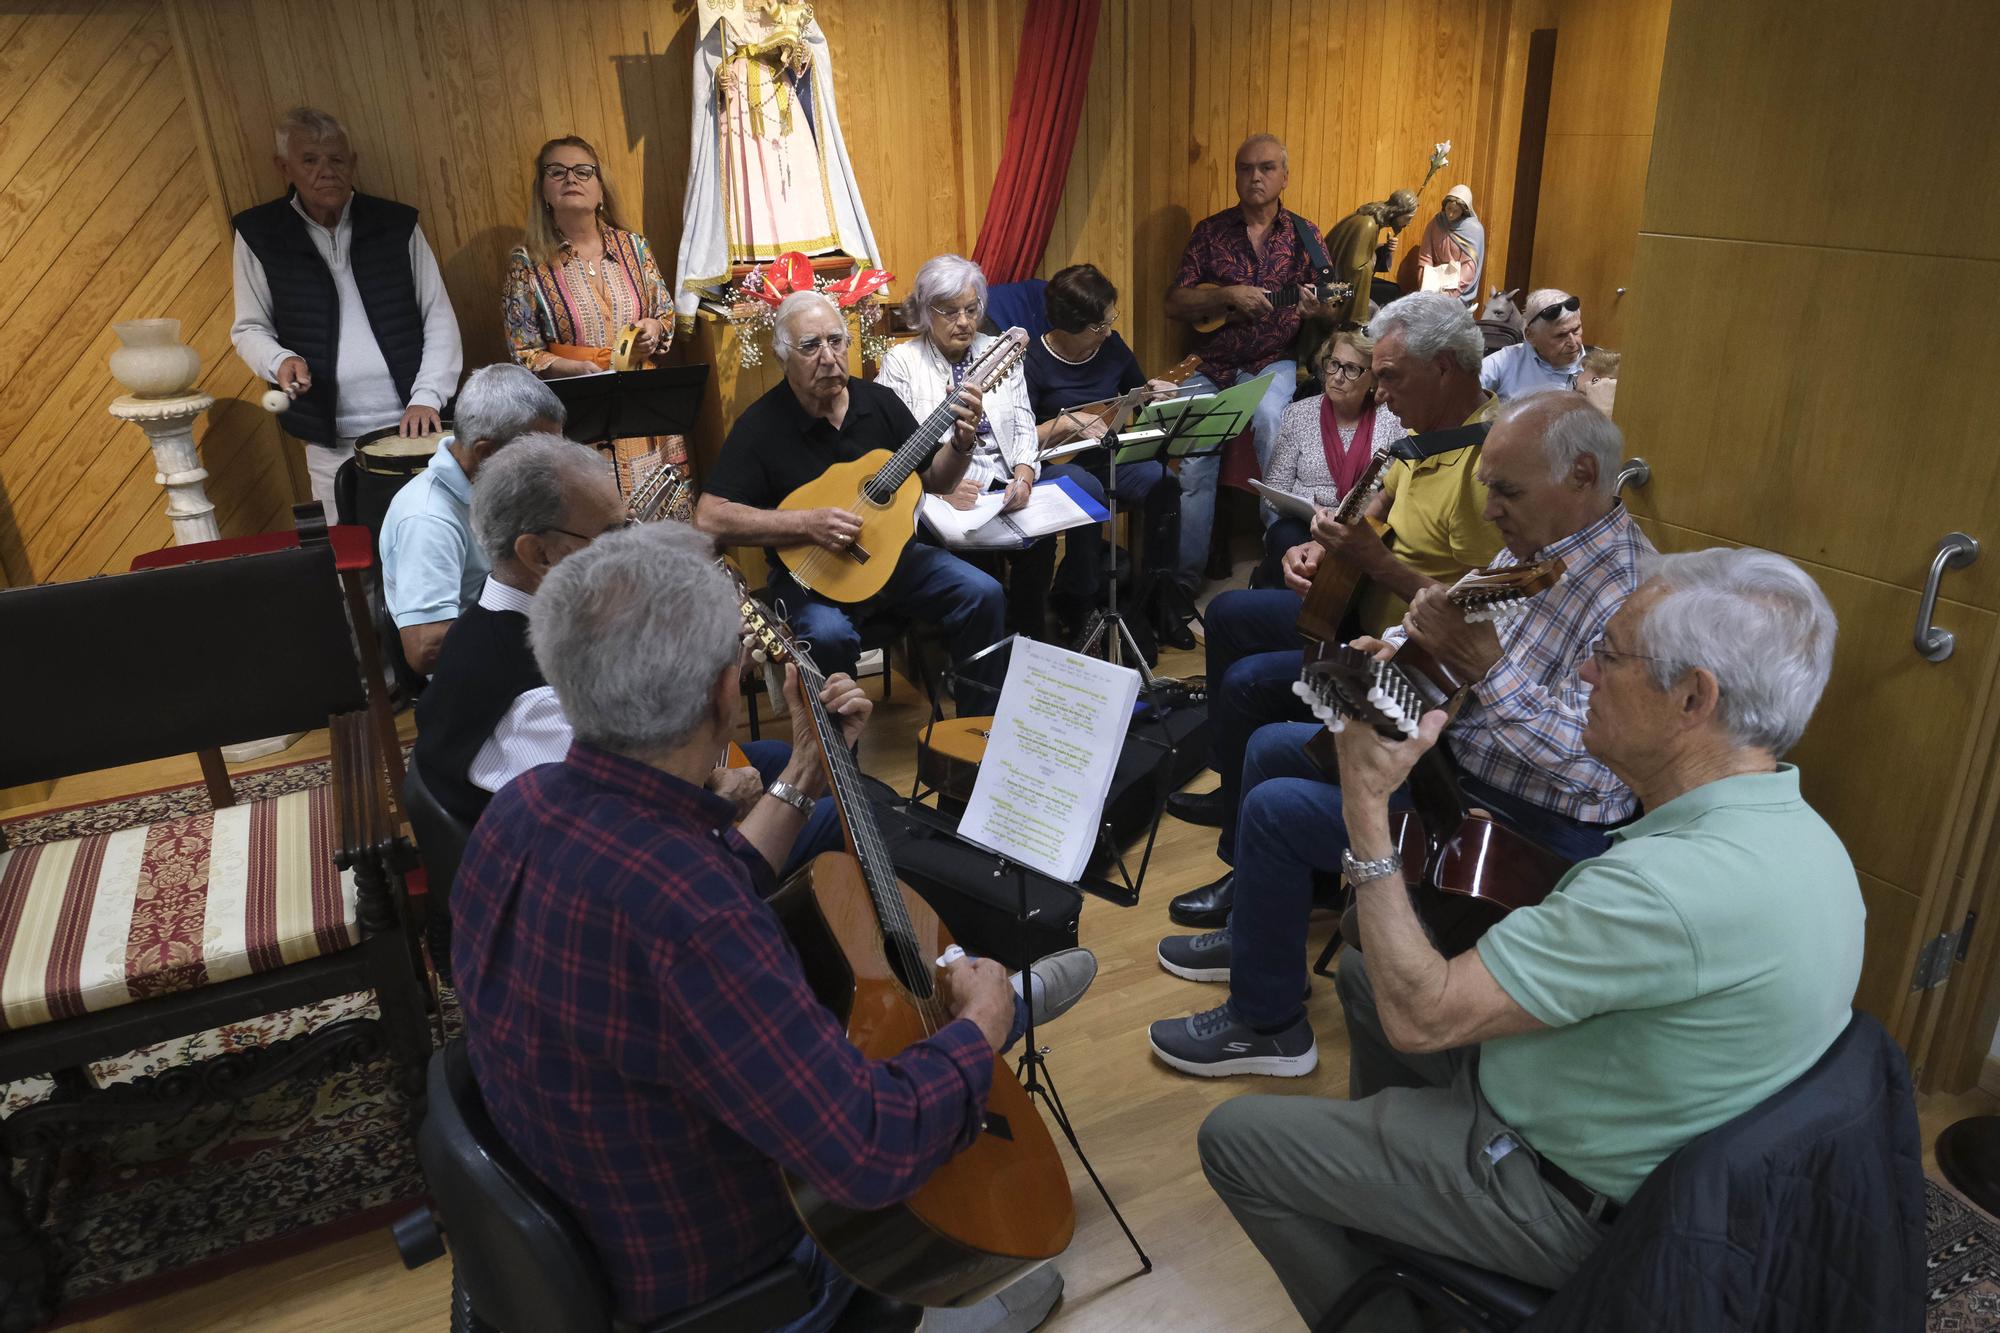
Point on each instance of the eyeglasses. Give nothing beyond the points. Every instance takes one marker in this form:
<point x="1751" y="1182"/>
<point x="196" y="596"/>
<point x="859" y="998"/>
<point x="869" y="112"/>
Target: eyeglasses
<point x="952" y="314"/>
<point x="1343" y="371"/>
<point x="830" y="342"/>
<point x="1604" y="656"/>
<point x="1102" y="325"/>
<point x="1555" y="312"/>
<point x="619" y="526"/>
<point x="556" y="171"/>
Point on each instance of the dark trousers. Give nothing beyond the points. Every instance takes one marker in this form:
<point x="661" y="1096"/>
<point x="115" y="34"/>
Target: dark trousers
<point x="1254" y="653"/>
<point x="1034" y="582"/>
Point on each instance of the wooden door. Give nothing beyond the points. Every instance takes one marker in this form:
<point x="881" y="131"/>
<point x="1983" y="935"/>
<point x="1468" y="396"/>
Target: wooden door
<point x="1808" y="370"/>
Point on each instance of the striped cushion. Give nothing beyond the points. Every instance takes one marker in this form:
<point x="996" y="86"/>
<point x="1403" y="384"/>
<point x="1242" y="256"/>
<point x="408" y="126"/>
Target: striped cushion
<point x="92" y="923"/>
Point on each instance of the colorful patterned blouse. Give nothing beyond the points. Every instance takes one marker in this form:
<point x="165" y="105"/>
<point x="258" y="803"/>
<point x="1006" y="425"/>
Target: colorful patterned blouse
<point x="566" y="301"/>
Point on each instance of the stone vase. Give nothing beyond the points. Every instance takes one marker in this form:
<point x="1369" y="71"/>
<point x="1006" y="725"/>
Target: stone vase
<point x="154" y="362"/>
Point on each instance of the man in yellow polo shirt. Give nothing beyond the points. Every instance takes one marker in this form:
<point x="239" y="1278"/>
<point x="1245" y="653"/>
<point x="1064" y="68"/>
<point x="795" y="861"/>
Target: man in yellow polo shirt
<point x="1426" y="363"/>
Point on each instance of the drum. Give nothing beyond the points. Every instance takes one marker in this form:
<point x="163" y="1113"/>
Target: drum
<point x="383" y="462"/>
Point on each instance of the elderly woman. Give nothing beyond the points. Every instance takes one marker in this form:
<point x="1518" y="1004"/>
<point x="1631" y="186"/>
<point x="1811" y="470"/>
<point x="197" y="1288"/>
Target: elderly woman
<point x="1324" y="443"/>
<point x="1551" y="357"/>
<point x="1456" y="236"/>
<point x="1081" y="359"/>
<point x="947" y="303"/>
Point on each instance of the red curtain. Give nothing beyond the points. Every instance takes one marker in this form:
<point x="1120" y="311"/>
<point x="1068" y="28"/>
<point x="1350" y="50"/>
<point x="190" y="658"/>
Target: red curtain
<point x="1049" y="84"/>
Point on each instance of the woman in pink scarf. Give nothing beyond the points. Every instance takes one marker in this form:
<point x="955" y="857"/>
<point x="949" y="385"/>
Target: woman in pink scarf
<point x="1324" y="443"/>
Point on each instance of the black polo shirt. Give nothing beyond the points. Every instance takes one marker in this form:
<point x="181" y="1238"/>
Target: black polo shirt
<point x="776" y="446"/>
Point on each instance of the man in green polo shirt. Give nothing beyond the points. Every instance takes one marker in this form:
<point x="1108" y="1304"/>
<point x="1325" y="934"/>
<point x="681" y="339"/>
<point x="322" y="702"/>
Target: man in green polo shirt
<point x="1504" y="1104"/>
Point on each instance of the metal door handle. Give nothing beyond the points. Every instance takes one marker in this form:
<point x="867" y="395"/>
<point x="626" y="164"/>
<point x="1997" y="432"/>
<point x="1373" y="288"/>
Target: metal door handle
<point x="1955" y="551"/>
<point x="1638" y="472"/>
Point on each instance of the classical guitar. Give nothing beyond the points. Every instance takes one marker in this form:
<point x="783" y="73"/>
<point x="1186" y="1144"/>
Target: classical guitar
<point x="1281" y="299"/>
<point x="868" y="945"/>
<point x="1465" y="869"/>
<point x="1336" y="582"/>
<point x="883" y="488"/>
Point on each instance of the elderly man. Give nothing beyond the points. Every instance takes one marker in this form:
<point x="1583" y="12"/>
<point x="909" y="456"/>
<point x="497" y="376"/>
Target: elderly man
<point x="820" y="416"/>
<point x="489" y="716"/>
<point x="640" y="1026"/>
<point x="339" y="303"/>
<point x="1703" y="962"/>
<point x="432" y="566"/>
<point x="1548" y="467"/>
<point x="1235" y="262"/>
<point x="1552" y="355"/>
<point x="1426" y="362"/>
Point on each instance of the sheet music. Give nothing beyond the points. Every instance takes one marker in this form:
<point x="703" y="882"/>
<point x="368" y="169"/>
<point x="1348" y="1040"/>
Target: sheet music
<point x="1057" y="735"/>
<point x="1054" y="505"/>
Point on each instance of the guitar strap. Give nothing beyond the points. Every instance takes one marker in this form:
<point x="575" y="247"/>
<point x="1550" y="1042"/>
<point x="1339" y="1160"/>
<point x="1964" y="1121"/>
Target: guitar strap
<point x="1315" y="252"/>
<point x="1416" y="448"/>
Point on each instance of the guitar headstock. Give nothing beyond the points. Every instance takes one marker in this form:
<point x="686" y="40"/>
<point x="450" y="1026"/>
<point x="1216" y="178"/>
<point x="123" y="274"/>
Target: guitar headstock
<point x="765" y="632"/>
<point x="659" y="492"/>
<point x="1500" y="594"/>
<point x="1187" y="366"/>
<point x="1349" y="683"/>
<point x="999" y="361"/>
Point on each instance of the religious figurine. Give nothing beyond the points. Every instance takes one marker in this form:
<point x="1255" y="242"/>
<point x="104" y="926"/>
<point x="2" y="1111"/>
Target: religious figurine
<point x="768" y="170"/>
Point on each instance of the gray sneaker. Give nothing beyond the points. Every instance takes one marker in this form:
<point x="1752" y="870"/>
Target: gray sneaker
<point x="1014" y="1309"/>
<point x="1216" y="1044"/>
<point x="1060" y="979"/>
<point x="1197" y="957"/>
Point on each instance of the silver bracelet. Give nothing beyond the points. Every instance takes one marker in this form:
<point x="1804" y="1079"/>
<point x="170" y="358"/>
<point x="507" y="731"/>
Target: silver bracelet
<point x="1367" y="872"/>
<point x="792" y="796"/>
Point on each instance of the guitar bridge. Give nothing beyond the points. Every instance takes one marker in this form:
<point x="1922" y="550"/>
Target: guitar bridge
<point x="857" y="553"/>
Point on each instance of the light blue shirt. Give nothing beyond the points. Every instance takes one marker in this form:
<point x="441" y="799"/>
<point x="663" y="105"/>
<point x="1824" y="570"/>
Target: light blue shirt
<point x="1517" y="370"/>
<point x="432" y="568"/>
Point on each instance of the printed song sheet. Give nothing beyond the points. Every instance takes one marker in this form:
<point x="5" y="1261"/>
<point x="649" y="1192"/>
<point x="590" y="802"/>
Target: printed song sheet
<point x="1056" y="738"/>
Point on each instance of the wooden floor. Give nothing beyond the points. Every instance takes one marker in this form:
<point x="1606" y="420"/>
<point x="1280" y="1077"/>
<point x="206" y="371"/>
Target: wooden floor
<point x="1136" y="1119"/>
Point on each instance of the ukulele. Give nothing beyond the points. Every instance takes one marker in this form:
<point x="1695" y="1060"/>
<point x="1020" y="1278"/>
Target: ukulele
<point x="883" y="488"/>
<point x="868" y="944"/>
<point x="1336" y="582"/>
<point x="1281" y="299"/>
<point x="1465" y="869"/>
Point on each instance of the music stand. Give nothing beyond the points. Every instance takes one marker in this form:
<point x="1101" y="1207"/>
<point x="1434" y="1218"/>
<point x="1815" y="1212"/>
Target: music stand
<point x="619" y="404"/>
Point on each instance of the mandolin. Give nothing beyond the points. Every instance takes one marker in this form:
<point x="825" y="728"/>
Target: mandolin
<point x="1465" y="869"/>
<point x="1104" y="410"/>
<point x="1282" y="299"/>
<point x="1336" y="583"/>
<point x="662" y="494"/>
<point x="883" y="488"/>
<point x="868" y="944"/>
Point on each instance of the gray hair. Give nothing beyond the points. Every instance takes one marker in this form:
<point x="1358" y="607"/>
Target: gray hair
<point x="942" y="276"/>
<point x="526" y="488"/>
<point x="1265" y="136"/>
<point x="632" y="632"/>
<point x="1432" y="324"/>
<point x="790" y="309"/>
<point x="1541" y="299"/>
<point x="1757" y="623"/>
<point x="312" y="126"/>
<point x="504" y="402"/>
<point x="1571" y="427"/>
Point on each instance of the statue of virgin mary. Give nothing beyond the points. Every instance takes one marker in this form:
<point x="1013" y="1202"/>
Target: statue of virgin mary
<point x="767" y="171"/>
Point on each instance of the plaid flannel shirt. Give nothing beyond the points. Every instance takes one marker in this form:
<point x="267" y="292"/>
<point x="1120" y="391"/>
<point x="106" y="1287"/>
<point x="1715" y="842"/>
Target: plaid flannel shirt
<point x="1522" y="729"/>
<point x="645" y="1039"/>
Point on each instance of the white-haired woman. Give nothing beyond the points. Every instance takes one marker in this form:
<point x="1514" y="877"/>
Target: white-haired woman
<point x="947" y="303"/>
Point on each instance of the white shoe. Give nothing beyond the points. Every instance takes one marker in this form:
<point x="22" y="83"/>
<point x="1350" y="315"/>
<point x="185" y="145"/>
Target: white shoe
<point x="1016" y="1309"/>
<point x="1061" y="978"/>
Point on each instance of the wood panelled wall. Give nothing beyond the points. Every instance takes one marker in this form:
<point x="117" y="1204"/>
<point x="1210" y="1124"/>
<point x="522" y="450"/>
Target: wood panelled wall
<point x="130" y="131"/>
<point x="104" y="216"/>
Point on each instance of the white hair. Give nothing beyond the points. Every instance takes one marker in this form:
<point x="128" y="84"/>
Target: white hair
<point x="1265" y="136"/>
<point x="1541" y="299"/>
<point x="1757" y="623"/>
<point x="503" y="402"/>
<point x="1432" y="325"/>
<point x="311" y="125"/>
<point x="942" y="277"/>
<point x="1571" y="427"/>
<point x="633" y="631"/>
<point x="526" y="488"/>
<point x="790" y="309"/>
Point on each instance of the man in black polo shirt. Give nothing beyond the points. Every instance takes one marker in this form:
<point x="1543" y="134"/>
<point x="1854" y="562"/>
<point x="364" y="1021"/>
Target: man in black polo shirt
<point x="818" y="417"/>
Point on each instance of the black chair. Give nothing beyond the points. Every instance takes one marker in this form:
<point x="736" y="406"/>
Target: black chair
<point x="1480" y="1300"/>
<point x="1498" y="334"/>
<point x="441" y="840"/>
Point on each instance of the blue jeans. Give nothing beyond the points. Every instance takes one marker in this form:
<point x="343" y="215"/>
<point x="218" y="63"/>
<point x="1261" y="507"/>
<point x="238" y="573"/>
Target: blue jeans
<point x="1292" y="826"/>
<point x="1254" y="652"/>
<point x="1198" y="475"/>
<point x="821" y="831"/>
<point x="930" y="585"/>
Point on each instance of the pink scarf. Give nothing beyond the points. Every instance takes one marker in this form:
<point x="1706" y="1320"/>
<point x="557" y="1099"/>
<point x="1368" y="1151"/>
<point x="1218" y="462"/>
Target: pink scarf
<point x="1346" y="462"/>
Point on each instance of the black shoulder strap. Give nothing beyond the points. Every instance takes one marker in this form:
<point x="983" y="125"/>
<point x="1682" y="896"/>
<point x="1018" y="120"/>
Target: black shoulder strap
<point x="1315" y="252"/>
<point x="1430" y="444"/>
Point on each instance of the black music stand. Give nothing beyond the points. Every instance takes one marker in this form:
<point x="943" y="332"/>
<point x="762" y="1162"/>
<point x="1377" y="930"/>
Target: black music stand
<point x="619" y="404"/>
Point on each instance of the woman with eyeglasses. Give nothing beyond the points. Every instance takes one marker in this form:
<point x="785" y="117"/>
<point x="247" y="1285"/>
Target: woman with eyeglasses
<point x="580" y="278"/>
<point x="946" y="305"/>
<point x="1550" y="358"/>
<point x="1324" y="443"/>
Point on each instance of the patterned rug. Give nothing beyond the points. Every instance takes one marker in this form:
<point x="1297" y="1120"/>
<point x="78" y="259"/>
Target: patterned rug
<point x="1964" y="1264"/>
<point x="144" y="1210"/>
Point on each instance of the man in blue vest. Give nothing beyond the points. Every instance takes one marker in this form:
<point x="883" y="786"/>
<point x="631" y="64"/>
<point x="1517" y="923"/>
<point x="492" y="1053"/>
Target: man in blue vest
<point x="339" y="303"/>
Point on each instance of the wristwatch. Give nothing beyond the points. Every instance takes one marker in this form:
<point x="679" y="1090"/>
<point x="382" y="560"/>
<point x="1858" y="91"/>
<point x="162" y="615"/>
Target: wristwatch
<point x="1367" y="872"/>
<point x="792" y="796"/>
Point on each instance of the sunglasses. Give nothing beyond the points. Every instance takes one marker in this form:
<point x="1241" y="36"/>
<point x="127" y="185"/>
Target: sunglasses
<point x="1555" y="312"/>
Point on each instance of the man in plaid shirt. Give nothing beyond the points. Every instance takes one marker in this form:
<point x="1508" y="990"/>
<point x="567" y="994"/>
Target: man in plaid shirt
<point x="1549" y="467"/>
<point x="639" y="1025"/>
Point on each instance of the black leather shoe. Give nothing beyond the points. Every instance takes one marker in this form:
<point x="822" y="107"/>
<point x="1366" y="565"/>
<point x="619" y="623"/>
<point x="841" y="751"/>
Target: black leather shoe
<point x="1205" y="908"/>
<point x="1174" y="632"/>
<point x="1203" y="808"/>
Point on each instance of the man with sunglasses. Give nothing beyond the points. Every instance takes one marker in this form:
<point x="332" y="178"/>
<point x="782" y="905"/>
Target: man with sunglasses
<point x="1551" y="357"/>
